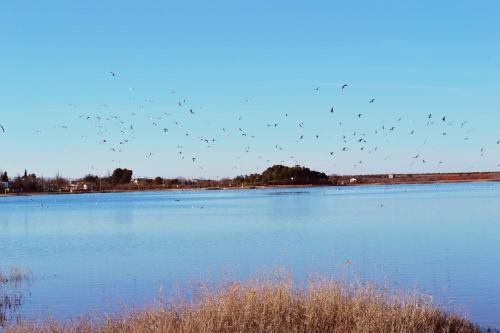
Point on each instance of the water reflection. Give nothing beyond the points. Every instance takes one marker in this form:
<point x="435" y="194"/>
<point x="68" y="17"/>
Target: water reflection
<point x="14" y="288"/>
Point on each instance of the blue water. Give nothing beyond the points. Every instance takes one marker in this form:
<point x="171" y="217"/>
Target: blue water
<point x="95" y="252"/>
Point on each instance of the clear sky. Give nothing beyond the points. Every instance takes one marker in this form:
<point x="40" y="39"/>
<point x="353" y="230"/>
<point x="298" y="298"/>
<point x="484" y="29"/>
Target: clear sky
<point x="246" y="65"/>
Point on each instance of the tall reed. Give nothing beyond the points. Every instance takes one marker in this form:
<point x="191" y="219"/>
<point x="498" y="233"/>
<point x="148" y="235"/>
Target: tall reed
<point x="275" y="305"/>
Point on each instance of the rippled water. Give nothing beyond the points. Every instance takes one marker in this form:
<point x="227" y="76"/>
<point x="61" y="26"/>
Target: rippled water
<point x="94" y="252"/>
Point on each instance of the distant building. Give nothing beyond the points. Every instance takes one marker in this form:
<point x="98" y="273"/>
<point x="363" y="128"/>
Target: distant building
<point x="352" y="180"/>
<point x="79" y="187"/>
<point x="139" y="181"/>
<point x="390" y="176"/>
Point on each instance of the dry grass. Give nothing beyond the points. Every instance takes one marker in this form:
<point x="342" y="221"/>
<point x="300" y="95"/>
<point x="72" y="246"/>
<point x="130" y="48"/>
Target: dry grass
<point x="273" y="305"/>
<point x="14" y="275"/>
<point x="10" y="298"/>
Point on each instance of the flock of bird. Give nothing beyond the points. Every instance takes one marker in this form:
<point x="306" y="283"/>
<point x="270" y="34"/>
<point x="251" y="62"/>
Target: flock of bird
<point x="116" y="131"/>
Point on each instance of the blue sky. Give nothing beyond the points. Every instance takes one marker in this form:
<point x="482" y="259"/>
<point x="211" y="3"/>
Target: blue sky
<point x="258" y="60"/>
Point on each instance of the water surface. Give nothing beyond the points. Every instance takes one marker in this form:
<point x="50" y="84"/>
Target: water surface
<point x="95" y="252"/>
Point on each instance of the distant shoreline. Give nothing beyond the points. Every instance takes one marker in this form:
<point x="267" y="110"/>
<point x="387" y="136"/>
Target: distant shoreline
<point x="374" y="181"/>
<point x="257" y="187"/>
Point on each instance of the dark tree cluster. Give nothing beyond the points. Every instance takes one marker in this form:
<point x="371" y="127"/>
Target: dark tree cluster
<point x="284" y="175"/>
<point x="121" y="176"/>
<point x="27" y="183"/>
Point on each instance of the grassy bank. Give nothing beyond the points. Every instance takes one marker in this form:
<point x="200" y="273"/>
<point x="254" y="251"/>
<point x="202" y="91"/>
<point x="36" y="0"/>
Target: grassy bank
<point x="273" y="305"/>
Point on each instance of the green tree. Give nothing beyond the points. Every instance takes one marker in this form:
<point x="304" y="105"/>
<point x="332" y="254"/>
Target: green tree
<point x="121" y="176"/>
<point x="280" y="174"/>
<point x="90" y="179"/>
<point x="5" y="177"/>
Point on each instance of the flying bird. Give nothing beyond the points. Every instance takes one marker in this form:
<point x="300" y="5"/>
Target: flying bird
<point x="371" y="100"/>
<point x="2" y="128"/>
<point x="344" y="86"/>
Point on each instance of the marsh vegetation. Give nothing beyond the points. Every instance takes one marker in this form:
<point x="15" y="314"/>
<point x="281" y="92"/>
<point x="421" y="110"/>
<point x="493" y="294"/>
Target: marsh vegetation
<point x="275" y="305"/>
<point x="11" y="292"/>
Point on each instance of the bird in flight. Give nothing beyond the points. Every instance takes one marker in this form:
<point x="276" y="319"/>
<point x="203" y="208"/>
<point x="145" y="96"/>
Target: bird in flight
<point x="2" y="128"/>
<point x="371" y="100"/>
<point x="316" y="89"/>
<point x="112" y="74"/>
<point x="331" y="110"/>
<point x="344" y="86"/>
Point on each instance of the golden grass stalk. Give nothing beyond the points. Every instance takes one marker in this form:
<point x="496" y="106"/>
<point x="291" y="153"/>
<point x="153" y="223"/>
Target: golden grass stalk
<point x="275" y="305"/>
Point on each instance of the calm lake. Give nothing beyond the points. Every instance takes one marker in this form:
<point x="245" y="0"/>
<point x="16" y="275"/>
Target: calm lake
<point x="95" y="252"/>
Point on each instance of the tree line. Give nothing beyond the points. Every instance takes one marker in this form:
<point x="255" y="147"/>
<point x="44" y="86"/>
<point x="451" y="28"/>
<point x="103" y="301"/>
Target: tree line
<point x="122" y="179"/>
